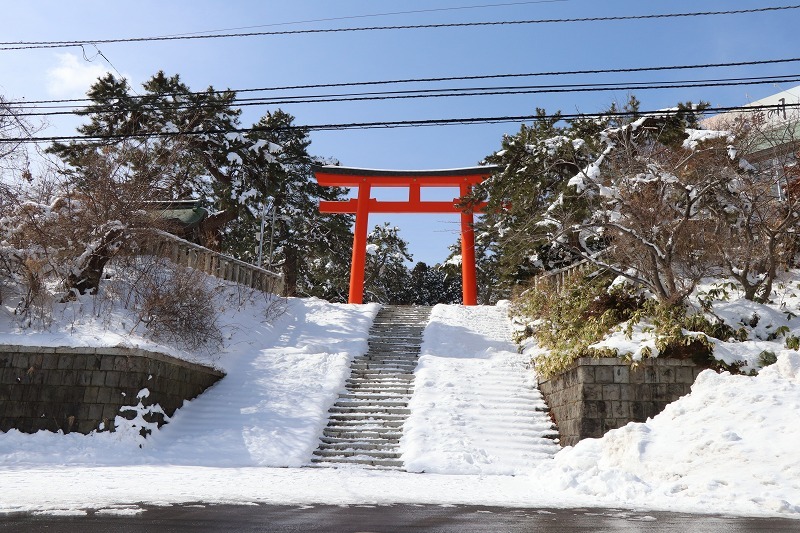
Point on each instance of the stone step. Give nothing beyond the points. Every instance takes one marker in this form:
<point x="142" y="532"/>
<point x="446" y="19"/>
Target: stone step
<point x="359" y="441"/>
<point x="389" y="354"/>
<point x="380" y="373"/>
<point x="360" y="446"/>
<point x="395" y="342"/>
<point x="375" y="454"/>
<point x="366" y="423"/>
<point x="412" y="364"/>
<point x="375" y="399"/>
<point x="415" y="327"/>
<point x="337" y="462"/>
<point x="372" y="402"/>
<point x="369" y="410"/>
<point x="407" y="368"/>
<point x="371" y="387"/>
<point x="355" y="416"/>
<point x="414" y="337"/>
<point x="373" y="434"/>
<point x="386" y="360"/>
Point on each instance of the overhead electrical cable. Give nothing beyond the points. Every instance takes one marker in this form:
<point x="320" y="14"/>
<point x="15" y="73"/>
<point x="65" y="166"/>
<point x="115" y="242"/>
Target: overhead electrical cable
<point x="442" y="93"/>
<point x="372" y="15"/>
<point x="450" y="78"/>
<point x="397" y="124"/>
<point x="27" y="45"/>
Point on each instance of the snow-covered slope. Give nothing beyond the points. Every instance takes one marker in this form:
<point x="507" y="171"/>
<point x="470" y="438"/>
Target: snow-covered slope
<point x="474" y="405"/>
<point x="268" y="411"/>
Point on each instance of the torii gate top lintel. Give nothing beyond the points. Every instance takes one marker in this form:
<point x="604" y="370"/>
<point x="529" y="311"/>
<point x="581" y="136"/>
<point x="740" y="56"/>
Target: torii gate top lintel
<point x="364" y="179"/>
<point x="354" y="175"/>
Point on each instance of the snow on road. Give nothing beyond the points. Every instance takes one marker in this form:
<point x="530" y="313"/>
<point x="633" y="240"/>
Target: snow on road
<point x="475" y="399"/>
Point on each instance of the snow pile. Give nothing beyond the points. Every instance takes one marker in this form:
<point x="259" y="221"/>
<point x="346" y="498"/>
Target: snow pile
<point x="729" y="446"/>
<point x="268" y="411"/>
<point x="475" y="399"/>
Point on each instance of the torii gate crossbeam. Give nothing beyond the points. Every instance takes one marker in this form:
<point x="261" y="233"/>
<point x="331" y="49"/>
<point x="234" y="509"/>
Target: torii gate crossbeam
<point x="414" y="181"/>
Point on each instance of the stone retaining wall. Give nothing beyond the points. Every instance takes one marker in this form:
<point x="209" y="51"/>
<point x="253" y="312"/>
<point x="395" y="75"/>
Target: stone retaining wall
<point x="596" y="395"/>
<point x="83" y="389"/>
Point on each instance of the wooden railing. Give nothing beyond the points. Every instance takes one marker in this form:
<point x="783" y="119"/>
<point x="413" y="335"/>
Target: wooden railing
<point x="185" y="253"/>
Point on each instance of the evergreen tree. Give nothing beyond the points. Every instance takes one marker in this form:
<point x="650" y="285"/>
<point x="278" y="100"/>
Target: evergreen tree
<point x="432" y="285"/>
<point x="169" y="143"/>
<point x="386" y="278"/>
<point x="306" y="246"/>
<point x="537" y="162"/>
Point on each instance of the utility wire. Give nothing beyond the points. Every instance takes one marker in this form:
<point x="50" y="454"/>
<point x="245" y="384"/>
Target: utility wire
<point x="27" y="45"/>
<point x="395" y="124"/>
<point x="372" y="15"/>
<point x="443" y="93"/>
<point x="450" y="78"/>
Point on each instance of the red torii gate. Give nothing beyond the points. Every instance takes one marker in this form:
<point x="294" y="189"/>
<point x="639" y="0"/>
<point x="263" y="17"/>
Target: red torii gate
<point x="414" y="180"/>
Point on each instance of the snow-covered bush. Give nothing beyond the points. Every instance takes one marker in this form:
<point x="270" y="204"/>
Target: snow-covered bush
<point x="567" y="323"/>
<point x="596" y="316"/>
<point x="175" y="304"/>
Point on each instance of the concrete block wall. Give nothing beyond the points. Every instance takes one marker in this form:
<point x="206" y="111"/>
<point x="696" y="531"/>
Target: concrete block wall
<point x="596" y="395"/>
<point x="78" y="389"/>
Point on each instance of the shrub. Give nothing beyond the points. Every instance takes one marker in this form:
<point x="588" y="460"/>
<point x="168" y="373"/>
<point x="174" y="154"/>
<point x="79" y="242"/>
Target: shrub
<point x="767" y="358"/>
<point x="175" y="304"/>
<point x="567" y="323"/>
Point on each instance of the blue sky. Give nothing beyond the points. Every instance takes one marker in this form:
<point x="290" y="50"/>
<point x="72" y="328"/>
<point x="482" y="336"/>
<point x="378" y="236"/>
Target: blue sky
<point x="382" y="55"/>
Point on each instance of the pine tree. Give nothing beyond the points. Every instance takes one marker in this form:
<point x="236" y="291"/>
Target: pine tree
<point x="169" y="143"/>
<point x="432" y="285"/>
<point x="386" y="277"/>
<point x="306" y="246"/>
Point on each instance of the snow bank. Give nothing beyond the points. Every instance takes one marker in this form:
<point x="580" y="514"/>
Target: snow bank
<point x="729" y="446"/>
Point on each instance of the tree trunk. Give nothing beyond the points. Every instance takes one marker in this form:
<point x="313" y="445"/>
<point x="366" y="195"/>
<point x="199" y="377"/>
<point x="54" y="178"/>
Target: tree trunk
<point x="91" y="272"/>
<point x="290" y="267"/>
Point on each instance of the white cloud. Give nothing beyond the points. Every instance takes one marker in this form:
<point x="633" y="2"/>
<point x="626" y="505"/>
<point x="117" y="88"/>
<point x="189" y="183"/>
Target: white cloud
<point x="73" y="75"/>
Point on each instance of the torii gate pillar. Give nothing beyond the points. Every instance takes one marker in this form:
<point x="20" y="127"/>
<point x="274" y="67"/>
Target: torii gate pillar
<point x="413" y="180"/>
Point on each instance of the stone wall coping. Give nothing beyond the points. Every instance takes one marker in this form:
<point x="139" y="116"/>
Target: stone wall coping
<point x="617" y="361"/>
<point x="109" y="350"/>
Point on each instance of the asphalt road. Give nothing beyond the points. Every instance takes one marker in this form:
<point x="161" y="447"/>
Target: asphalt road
<point x="393" y="518"/>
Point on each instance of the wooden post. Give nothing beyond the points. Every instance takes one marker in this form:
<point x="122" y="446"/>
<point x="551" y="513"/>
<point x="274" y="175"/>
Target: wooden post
<point x="469" y="280"/>
<point x="359" y="257"/>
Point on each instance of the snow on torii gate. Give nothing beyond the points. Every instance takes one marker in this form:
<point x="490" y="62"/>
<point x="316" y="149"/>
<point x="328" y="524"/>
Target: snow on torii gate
<point x="413" y="180"/>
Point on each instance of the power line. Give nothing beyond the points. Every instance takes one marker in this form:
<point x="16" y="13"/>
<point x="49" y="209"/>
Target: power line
<point x="452" y="92"/>
<point x="449" y="78"/>
<point x="392" y="124"/>
<point x="372" y="15"/>
<point x="27" y="45"/>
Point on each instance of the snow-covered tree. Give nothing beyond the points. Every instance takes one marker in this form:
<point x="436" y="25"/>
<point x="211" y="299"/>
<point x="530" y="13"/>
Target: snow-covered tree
<point x="305" y="245"/>
<point x="761" y="206"/>
<point x="386" y="278"/>
<point x="536" y="164"/>
<point x="433" y="285"/>
<point x="171" y="141"/>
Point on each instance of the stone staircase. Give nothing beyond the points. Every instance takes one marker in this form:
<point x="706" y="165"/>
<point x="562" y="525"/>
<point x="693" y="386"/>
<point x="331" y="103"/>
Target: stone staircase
<point x="366" y="422"/>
